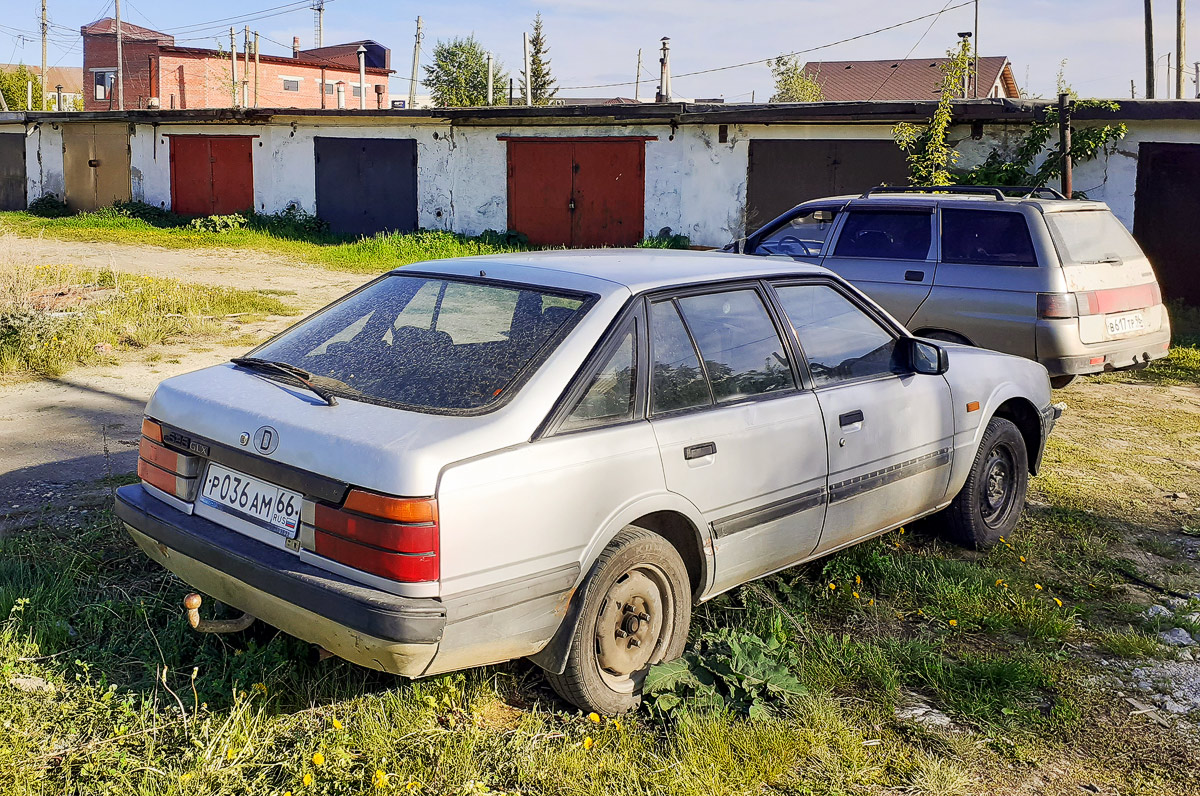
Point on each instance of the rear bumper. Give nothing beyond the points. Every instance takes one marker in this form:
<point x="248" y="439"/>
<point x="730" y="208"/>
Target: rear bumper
<point x="1059" y="349"/>
<point x="366" y="626"/>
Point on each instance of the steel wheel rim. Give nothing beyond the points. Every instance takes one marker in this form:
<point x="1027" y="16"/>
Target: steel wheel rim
<point x="997" y="487"/>
<point x="637" y="612"/>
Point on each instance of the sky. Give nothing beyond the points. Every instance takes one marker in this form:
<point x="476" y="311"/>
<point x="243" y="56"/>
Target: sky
<point x="596" y="42"/>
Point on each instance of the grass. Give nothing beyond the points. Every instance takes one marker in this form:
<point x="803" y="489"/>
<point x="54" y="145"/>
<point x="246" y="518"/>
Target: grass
<point x="53" y="318"/>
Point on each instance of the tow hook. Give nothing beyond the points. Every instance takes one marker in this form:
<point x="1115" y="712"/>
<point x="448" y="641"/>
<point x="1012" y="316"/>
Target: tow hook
<point x="192" y="604"/>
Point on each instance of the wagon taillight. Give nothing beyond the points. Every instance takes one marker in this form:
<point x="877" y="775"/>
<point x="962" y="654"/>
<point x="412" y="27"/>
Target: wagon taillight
<point x="394" y="538"/>
<point x="165" y="469"/>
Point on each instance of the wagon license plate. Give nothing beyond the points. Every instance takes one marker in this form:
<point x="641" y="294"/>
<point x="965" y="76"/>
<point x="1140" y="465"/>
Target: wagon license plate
<point x="1124" y="323"/>
<point x="263" y="504"/>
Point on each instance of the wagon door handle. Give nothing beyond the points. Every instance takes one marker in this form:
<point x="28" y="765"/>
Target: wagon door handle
<point x="914" y="276"/>
<point x="700" y="451"/>
<point x="850" y="418"/>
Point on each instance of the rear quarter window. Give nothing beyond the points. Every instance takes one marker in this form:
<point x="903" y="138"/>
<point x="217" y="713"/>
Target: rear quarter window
<point x="430" y="343"/>
<point x="986" y="237"/>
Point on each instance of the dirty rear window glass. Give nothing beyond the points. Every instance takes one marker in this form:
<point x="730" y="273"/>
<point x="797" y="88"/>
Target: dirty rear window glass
<point x="429" y="343"/>
<point x="1091" y="236"/>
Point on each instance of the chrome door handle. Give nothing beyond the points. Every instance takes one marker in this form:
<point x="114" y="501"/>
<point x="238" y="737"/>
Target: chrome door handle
<point x="700" y="451"/>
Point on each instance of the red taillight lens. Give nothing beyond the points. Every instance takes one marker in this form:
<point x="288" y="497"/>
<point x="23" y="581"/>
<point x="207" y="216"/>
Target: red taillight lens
<point x="172" y="472"/>
<point x="1057" y="305"/>
<point x="405" y="550"/>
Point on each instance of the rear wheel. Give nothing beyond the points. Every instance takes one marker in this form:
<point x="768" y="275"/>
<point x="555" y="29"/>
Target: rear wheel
<point x="990" y="502"/>
<point x="637" y="606"/>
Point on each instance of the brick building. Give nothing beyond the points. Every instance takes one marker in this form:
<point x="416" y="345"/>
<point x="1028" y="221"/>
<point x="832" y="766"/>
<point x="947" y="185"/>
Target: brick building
<point x="158" y="71"/>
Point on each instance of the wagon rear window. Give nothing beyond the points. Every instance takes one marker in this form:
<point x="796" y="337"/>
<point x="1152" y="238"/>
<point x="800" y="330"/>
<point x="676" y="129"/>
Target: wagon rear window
<point x="429" y="343"/>
<point x="1091" y="236"/>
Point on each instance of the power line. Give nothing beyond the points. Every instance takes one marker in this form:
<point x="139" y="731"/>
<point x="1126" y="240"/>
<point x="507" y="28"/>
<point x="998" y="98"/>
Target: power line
<point x="785" y="55"/>
<point x="910" y="52"/>
<point x="287" y="8"/>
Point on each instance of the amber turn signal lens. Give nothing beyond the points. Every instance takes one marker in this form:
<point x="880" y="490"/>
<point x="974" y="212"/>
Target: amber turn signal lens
<point x="973" y="406"/>
<point x="392" y="508"/>
<point x="151" y="430"/>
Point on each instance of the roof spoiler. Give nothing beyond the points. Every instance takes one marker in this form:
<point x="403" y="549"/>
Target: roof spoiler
<point x="997" y="192"/>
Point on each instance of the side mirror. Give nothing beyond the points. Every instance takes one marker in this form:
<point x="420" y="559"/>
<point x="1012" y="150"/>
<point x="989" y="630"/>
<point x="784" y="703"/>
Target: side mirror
<point x="926" y="357"/>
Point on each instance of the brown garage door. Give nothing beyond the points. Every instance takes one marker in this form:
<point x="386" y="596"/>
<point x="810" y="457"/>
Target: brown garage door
<point x="211" y="174"/>
<point x="577" y="191"/>
<point x="12" y="171"/>
<point x="96" y="164"/>
<point x="784" y="173"/>
<point x="1165" y="213"/>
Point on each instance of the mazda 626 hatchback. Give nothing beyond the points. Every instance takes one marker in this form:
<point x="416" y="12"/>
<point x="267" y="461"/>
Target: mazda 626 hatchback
<point x="556" y="455"/>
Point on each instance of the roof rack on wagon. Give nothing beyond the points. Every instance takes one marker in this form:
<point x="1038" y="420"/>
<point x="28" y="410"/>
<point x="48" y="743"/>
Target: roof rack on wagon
<point x="997" y="192"/>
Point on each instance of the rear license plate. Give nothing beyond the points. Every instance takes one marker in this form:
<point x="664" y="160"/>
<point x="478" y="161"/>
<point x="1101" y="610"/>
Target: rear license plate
<point x="264" y="504"/>
<point x="1124" y="323"/>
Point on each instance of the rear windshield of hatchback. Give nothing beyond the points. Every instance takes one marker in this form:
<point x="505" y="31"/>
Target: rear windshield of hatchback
<point x="1085" y="237"/>
<point x="430" y="343"/>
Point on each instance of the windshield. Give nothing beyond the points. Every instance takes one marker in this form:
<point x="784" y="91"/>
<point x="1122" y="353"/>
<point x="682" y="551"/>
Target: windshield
<point x="1085" y="237"/>
<point x="429" y="343"/>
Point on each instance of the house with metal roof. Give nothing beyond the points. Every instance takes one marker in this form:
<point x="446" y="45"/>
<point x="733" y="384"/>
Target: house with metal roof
<point x="912" y="79"/>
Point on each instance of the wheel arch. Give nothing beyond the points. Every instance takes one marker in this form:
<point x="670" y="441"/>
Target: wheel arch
<point x="944" y="335"/>
<point x="1024" y="415"/>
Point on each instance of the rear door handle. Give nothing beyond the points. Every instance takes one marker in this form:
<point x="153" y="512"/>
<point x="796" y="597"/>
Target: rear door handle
<point x="914" y="276"/>
<point x="700" y="451"/>
<point x="850" y="418"/>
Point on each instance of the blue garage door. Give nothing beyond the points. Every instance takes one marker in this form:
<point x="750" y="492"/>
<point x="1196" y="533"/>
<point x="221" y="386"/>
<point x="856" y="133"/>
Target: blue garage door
<point x="367" y="185"/>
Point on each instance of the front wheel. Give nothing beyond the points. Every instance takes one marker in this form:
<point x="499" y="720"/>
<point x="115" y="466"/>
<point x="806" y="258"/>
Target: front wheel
<point x="990" y="502"/>
<point x="637" y="606"/>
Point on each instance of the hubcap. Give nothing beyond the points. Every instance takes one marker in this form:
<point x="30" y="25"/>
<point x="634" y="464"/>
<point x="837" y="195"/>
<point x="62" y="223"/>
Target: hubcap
<point x="629" y="626"/>
<point x="996" y="487"/>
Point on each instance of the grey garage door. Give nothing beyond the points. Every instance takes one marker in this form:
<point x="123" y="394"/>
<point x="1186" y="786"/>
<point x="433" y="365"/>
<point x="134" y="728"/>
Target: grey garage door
<point x="367" y="185"/>
<point x="12" y="171"/>
<point x="785" y="172"/>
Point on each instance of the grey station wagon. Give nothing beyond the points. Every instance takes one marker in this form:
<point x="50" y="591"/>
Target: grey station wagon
<point x="556" y="455"/>
<point x="1055" y="280"/>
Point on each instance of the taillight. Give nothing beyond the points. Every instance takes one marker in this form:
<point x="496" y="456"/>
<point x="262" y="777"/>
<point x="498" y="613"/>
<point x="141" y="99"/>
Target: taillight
<point x="1057" y="305"/>
<point x="163" y="468"/>
<point x="395" y="538"/>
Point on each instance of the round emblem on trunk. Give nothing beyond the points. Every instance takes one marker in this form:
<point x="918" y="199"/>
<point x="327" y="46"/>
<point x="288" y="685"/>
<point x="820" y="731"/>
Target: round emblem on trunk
<point x="266" y="440"/>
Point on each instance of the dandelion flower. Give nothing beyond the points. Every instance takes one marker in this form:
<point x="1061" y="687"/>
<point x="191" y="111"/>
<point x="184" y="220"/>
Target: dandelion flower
<point x="871" y="602"/>
<point x="616" y="723"/>
<point x="1002" y="540"/>
<point x="999" y="581"/>
<point x="1058" y="601"/>
<point x="229" y="754"/>
<point x="857" y="580"/>
<point x="588" y="742"/>
<point x="380" y="778"/>
<point x="832" y="586"/>
<point x="337" y="725"/>
<point x="318" y="759"/>
<point x="260" y="687"/>
<point x="901" y="531"/>
<point x="1037" y="586"/>
<point x="953" y="623"/>
<point x="306" y="779"/>
<point x="594" y="718"/>
<point x="1022" y="559"/>
<point x="412" y="786"/>
<point x="855" y="594"/>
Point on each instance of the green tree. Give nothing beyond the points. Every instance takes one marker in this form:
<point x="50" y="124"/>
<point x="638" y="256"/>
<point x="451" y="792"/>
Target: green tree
<point x="13" y="84"/>
<point x="930" y="157"/>
<point x="458" y="75"/>
<point x="792" y="83"/>
<point x="544" y="87"/>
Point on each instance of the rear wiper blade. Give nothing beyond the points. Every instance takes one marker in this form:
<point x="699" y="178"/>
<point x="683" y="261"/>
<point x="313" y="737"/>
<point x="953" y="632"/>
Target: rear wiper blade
<point x="1114" y="260"/>
<point x="299" y="374"/>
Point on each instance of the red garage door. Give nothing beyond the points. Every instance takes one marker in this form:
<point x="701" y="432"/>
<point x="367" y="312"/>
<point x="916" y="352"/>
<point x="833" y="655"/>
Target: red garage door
<point x="577" y="191"/>
<point x="211" y="174"/>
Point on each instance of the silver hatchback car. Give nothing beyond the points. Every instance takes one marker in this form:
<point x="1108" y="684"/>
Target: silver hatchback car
<point x="1055" y="280"/>
<point x="556" y="455"/>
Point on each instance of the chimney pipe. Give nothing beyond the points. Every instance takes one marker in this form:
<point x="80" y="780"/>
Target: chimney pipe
<point x="295" y="46"/>
<point x="664" y="86"/>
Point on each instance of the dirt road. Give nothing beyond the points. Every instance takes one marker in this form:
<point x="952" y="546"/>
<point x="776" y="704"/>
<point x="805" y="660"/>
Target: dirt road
<point x="53" y="433"/>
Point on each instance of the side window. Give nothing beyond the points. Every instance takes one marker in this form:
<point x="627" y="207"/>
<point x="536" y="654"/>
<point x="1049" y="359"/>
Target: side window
<point x="986" y="237"/>
<point x="610" y="396"/>
<point x="885" y="234"/>
<point x="741" y="348"/>
<point x="291" y="85"/>
<point x="802" y="236"/>
<point x="676" y="380"/>
<point x="841" y="341"/>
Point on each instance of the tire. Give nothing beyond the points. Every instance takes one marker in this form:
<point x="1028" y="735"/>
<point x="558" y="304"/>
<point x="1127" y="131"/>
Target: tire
<point x="1059" y="382"/>
<point x="990" y="502"/>
<point x="638" y="591"/>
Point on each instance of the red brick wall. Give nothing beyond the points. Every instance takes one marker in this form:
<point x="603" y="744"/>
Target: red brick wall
<point x="140" y="66"/>
<point x="202" y="81"/>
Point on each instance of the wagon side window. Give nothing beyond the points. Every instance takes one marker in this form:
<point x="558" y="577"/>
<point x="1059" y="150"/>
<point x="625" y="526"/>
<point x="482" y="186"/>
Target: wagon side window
<point x="610" y="395"/>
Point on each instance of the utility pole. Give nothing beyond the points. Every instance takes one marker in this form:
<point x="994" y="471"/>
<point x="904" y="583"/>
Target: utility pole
<point x="45" y="30"/>
<point x="362" y="77"/>
<point x="1198" y="80"/>
<point x="1149" y="49"/>
<point x="1132" y="90"/>
<point x="1064" y="142"/>
<point x="1168" y="76"/>
<point x="528" y="80"/>
<point x="664" y="70"/>
<point x="1180" y="45"/>
<point x="246" y="68"/>
<point x="256" y="75"/>
<point x="120" y="65"/>
<point x="233" y="63"/>
<point x="637" y="81"/>
<point x="412" y="84"/>
<point x="975" y="93"/>
<point x="489" y="68"/>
